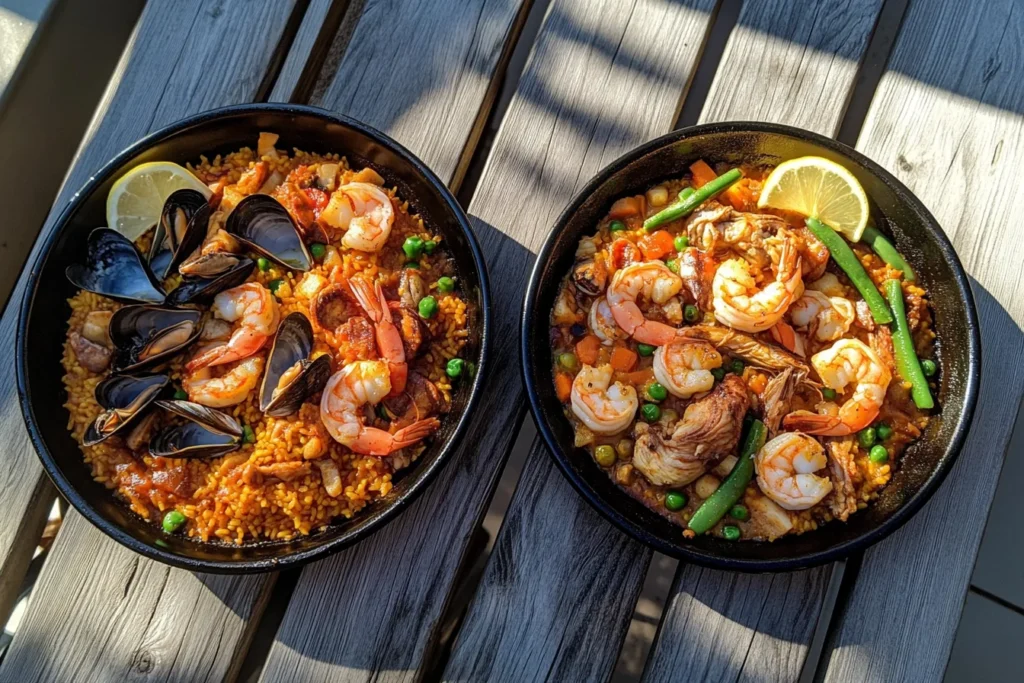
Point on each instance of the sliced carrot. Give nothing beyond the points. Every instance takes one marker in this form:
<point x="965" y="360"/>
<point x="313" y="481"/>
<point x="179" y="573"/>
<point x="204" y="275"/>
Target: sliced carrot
<point x="739" y="195"/>
<point x="623" y="359"/>
<point x="625" y="207"/>
<point x="563" y="386"/>
<point x="656" y="245"/>
<point x="637" y="378"/>
<point x="588" y="349"/>
<point x="702" y="173"/>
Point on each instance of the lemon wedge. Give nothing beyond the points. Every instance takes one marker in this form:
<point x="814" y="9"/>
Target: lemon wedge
<point x="820" y="188"/>
<point x="137" y="198"/>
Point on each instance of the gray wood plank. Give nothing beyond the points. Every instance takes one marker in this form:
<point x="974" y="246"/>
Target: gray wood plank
<point x="431" y="91"/>
<point x="308" y="49"/>
<point x="782" y="64"/>
<point x="948" y="119"/>
<point x="221" y="57"/>
<point x="561" y="584"/>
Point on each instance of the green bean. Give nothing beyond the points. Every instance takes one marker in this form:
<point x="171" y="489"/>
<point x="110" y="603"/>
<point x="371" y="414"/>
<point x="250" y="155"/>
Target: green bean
<point x="685" y="206"/>
<point x="887" y="252"/>
<point x="907" y="362"/>
<point x="730" y="490"/>
<point x="847" y="260"/>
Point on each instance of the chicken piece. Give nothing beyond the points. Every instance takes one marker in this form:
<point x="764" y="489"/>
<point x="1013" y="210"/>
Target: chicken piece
<point x="285" y="471"/>
<point x="92" y="356"/>
<point x="843" y="470"/>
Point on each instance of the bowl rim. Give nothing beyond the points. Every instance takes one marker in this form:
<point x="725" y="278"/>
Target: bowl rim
<point x="300" y="557"/>
<point x="680" y="549"/>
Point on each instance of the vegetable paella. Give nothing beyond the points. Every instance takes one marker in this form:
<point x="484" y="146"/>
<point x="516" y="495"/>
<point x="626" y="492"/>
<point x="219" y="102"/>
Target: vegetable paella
<point x="260" y="342"/>
<point x="742" y="351"/>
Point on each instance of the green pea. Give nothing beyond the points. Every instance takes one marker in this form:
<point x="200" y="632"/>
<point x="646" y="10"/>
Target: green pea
<point x="429" y="246"/>
<point x="413" y="246"/>
<point x="263" y="264"/>
<point x="883" y="431"/>
<point x="672" y="265"/>
<point x="691" y="313"/>
<point x="929" y="367"/>
<point x="739" y="512"/>
<point x="605" y="456"/>
<point x="415" y="265"/>
<point x="172" y="521"/>
<point x="681" y="242"/>
<point x="651" y="412"/>
<point x="718" y="374"/>
<point x="568" y="361"/>
<point x="731" y="533"/>
<point x="736" y="366"/>
<point x="445" y="284"/>
<point x="180" y="395"/>
<point x="674" y="500"/>
<point x="656" y="392"/>
<point x="428" y="307"/>
<point x="646" y="349"/>
<point x="878" y="454"/>
<point x="248" y="436"/>
<point x="616" y="226"/>
<point x="454" y="367"/>
<point x="828" y="394"/>
<point x="317" y="250"/>
<point x="867" y="437"/>
<point x="275" y="285"/>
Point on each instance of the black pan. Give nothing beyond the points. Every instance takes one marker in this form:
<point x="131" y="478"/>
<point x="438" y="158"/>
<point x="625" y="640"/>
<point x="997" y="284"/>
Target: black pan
<point x="896" y="211"/>
<point x="44" y="312"/>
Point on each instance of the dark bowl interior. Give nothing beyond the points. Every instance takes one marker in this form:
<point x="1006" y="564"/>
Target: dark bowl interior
<point x="45" y="311"/>
<point x="895" y="211"/>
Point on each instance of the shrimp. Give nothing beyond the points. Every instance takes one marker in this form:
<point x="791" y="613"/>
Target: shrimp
<point x="255" y="310"/>
<point x="791" y="340"/>
<point x="602" y="323"/>
<point x="826" y="318"/>
<point x="652" y="280"/>
<point x="605" y="408"/>
<point x="389" y="340"/>
<point x="786" y="468"/>
<point x="347" y="391"/>
<point x="739" y="303"/>
<point x="364" y="211"/>
<point x="847" y="361"/>
<point x="229" y="389"/>
<point x="250" y="181"/>
<point x="683" y="366"/>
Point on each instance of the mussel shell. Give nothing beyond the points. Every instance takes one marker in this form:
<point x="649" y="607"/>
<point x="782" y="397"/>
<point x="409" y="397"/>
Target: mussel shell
<point x="201" y="290"/>
<point x="114" y="268"/>
<point x="214" y="420"/>
<point x="182" y="206"/>
<point x="209" y="433"/>
<point x="293" y="344"/>
<point x="124" y="398"/>
<point x="262" y="223"/>
<point x="211" y="265"/>
<point x="134" y="330"/>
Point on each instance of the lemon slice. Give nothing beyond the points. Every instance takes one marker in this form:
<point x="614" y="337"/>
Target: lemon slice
<point x="136" y="199"/>
<point x="820" y="188"/>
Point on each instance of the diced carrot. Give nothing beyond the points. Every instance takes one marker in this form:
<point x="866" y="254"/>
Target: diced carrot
<point x="757" y="383"/>
<point x="702" y="173"/>
<point x="623" y="359"/>
<point x="625" y="207"/>
<point x="588" y="349"/>
<point x="637" y="378"/>
<point x="740" y="196"/>
<point x="563" y="386"/>
<point x="656" y="245"/>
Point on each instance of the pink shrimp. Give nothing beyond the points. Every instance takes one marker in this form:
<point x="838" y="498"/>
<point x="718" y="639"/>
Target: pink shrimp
<point x="347" y="391"/>
<point x="652" y="280"/>
<point x="389" y="341"/>
<point x="255" y="309"/>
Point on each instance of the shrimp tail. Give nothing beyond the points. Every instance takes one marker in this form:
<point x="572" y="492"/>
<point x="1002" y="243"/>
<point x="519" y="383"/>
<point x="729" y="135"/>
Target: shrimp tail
<point x="373" y="441"/>
<point x="812" y="423"/>
<point x="415" y="432"/>
<point x="389" y="342"/>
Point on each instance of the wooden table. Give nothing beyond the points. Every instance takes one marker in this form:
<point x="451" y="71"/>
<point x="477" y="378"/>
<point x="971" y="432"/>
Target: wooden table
<point x="931" y="92"/>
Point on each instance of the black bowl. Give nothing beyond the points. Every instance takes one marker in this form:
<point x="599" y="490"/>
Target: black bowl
<point x="44" y="312"/>
<point x="918" y="237"/>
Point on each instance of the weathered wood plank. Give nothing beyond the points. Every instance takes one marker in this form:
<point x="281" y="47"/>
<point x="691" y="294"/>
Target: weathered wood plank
<point x="221" y="57"/>
<point x="430" y="90"/>
<point x="784" y="63"/>
<point x="948" y="119"/>
<point x="308" y="50"/>
<point x="549" y="607"/>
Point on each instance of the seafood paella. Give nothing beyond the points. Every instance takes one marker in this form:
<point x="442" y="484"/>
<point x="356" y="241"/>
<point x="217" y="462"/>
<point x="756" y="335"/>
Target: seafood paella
<point x="260" y="342"/>
<point x="742" y="351"/>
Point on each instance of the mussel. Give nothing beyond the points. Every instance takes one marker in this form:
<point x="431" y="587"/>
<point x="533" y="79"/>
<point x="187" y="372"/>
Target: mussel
<point x="144" y="335"/>
<point x="182" y="227"/>
<point x="125" y="398"/>
<point x="208" y="433"/>
<point x="262" y="223"/>
<point x="114" y="268"/>
<point x="209" y="275"/>
<point x="291" y="377"/>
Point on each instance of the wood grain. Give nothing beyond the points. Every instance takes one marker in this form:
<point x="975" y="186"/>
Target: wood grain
<point x="784" y="64"/>
<point x="948" y="120"/>
<point x="308" y="50"/>
<point x="221" y="57"/>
